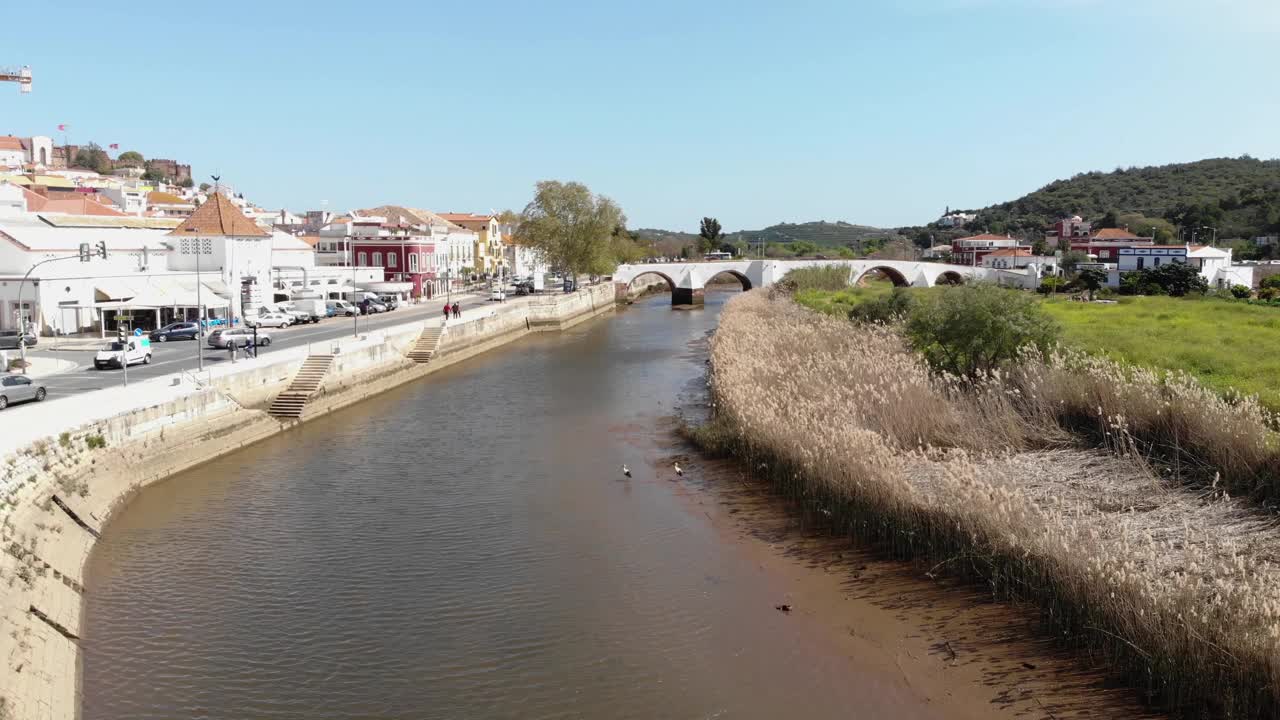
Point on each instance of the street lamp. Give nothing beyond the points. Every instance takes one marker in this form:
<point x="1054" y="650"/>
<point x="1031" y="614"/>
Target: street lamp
<point x="1215" y="234"/>
<point x="86" y="253"/>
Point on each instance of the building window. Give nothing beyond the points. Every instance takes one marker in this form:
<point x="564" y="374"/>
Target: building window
<point x="364" y="260"/>
<point x="1140" y="259"/>
<point x="377" y="259"/>
<point x="391" y="259"/>
<point x="413" y="262"/>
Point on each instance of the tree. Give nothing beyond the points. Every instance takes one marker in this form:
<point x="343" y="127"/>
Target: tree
<point x="1241" y="292"/>
<point x="1040" y="247"/>
<point x="804" y="248"/>
<point x="204" y="187"/>
<point x="1073" y="258"/>
<point x="969" y="330"/>
<point x="709" y="234"/>
<point x="1178" y="279"/>
<point x="187" y="182"/>
<point x="130" y="158"/>
<point x="1092" y="279"/>
<point x="572" y="227"/>
<point x="153" y="175"/>
<point x="93" y="158"/>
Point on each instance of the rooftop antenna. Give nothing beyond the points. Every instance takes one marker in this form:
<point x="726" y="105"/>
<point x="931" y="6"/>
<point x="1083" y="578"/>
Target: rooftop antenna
<point x="215" y="179"/>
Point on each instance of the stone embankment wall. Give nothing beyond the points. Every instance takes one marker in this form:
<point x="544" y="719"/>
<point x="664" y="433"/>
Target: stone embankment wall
<point x="58" y="492"/>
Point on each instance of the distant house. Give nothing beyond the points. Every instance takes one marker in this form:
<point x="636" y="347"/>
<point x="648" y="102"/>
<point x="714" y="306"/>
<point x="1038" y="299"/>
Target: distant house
<point x="163" y="204"/>
<point x="1267" y="240"/>
<point x="1066" y="231"/>
<point x="937" y="251"/>
<point x="956" y="219"/>
<point x="1105" y="244"/>
<point x="1213" y="263"/>
<point x="1016" y="258"/>
<point x="970" y="250"/>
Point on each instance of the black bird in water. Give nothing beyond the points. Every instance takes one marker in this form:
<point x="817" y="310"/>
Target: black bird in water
<point x="626" y="471"/>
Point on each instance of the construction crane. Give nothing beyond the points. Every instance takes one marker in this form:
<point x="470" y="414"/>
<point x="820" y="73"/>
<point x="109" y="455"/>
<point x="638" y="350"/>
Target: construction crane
<point x="21" y="76"/>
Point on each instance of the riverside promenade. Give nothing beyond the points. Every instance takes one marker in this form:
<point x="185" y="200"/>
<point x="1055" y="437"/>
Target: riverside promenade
<point x="70" y="464"/>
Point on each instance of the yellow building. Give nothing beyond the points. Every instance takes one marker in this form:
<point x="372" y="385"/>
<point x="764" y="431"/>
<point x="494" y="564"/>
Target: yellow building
<point x="489" y="256"/>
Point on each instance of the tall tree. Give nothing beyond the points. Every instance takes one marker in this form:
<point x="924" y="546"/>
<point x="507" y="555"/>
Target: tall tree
<point x="93" y="158"/>
<point x="130" y="158"/>
<point x="710" y="234"/>
<point x="572" y="227"/>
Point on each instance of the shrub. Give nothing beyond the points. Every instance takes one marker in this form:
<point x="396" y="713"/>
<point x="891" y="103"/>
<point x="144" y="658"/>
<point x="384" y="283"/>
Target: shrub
<point x="1241" y="292"/>
<point x="885" y="309"/>
<point x="1051" y="285"/>
<point x="95" y="442"/>
<point x="970" y="330"/>
<point x="818" y="277"/>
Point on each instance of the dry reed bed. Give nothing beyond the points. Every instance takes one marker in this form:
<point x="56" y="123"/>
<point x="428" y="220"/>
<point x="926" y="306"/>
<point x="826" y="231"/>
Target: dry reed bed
<point x="1173" y="589"/>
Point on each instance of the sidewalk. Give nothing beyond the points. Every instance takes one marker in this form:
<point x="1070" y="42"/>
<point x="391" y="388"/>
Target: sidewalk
<point x="43" y="365"/>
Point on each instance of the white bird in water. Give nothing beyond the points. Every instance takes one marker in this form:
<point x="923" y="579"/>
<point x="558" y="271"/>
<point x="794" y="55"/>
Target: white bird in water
<point x="679" y="471"/>
<point x="626" y="471"/>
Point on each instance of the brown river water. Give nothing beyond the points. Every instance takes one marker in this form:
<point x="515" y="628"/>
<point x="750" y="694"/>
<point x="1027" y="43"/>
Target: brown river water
<point x="466" y="546"/>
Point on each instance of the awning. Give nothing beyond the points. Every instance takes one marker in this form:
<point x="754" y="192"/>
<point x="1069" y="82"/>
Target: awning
<point x="388" y="287"/>
<point x="113" y="289"/>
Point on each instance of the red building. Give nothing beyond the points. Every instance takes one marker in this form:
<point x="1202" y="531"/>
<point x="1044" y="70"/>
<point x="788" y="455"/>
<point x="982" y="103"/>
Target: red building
<point x="1105" y="244"/>
<point x="970" y="250"/>
<point x="405" y="251"/>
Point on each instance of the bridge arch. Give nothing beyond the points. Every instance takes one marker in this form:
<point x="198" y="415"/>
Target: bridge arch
<point x="950" y="277"/>
<point x="631" y="284"/>
<point x="740" y="277"/>
<point x="893" y="274"/>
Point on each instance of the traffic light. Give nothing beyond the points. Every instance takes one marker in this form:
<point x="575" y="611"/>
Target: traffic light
<point x="120" y="335"/>
<point x="102" y="249"/>
<point x="85" y="252"/>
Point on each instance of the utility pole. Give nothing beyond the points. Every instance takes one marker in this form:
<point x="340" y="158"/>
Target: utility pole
<point x="86" y="254"/>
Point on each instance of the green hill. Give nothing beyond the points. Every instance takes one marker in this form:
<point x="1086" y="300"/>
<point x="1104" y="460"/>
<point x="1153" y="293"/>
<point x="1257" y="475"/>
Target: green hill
<point x="1238" y="196"/>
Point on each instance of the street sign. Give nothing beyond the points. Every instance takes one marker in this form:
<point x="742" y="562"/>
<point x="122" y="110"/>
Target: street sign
<point x="137" y="332"/>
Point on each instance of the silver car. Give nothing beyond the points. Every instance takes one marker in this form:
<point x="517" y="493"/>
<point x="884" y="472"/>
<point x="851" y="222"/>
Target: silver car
<point x="19" y="388"/>
<point x="237" y="337"/>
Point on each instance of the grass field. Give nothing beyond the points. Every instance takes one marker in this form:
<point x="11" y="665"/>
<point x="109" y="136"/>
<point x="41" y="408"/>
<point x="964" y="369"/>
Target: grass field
<point x="1226" y="345"/>
<point x="1223" y="344"/>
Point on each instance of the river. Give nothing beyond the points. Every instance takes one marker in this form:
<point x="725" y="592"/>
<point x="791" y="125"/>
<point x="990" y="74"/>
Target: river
<point x="466" y="546"/>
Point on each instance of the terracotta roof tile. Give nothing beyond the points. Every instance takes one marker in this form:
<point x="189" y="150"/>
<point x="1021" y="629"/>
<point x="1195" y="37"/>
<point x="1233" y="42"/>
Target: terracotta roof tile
<point x="9" y="142"/>
<point x="1114" y="234"/>
<point x="157" y="197"/>
<point x="985" y="236"/>
<point x="219" y="217"/>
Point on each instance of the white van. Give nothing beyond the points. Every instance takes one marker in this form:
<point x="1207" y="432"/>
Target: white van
<point x="135" y="349"/>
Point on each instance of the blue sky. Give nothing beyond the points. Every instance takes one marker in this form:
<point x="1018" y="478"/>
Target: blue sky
<point x="879" y="113"/>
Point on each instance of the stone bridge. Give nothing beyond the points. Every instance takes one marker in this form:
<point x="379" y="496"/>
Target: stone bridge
<point x="688" y="280"/>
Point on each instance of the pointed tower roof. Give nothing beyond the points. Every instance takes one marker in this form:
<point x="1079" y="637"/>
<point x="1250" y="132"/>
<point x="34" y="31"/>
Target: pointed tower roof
<point x="218" y="217"/>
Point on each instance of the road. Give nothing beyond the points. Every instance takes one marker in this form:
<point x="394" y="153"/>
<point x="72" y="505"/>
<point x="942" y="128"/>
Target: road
<point x="178" y="355"/>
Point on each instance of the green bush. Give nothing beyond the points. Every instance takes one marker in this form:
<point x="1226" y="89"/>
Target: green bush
<point x="1241" y="292"/>
<point x="1051" y="285"/>
<point x="818" y="277"/>
<point x="970" y="330"/>
<point x="891" y="307"/>
<point x="95" y="442"/>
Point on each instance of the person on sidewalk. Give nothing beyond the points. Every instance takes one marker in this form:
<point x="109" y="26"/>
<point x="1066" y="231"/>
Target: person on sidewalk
<point x="457" y="312"/>
<point x="446" y="312"/>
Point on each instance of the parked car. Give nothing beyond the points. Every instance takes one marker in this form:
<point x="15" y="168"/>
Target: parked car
<point x="9" y="339"/>
<point x="370" y="306"/>
<point x="20" y="388"/>
<point x="176" y="331"/>
<point x="497" y="295"/>
<point x="392" y="302"/>
<point x="270" y="319"/>
<point x="237" y="337"/>
<point x="133" y="350"/>
<point x="342" y="307"/>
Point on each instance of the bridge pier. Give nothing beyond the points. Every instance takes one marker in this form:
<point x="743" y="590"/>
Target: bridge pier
<point x="688" y="296"/>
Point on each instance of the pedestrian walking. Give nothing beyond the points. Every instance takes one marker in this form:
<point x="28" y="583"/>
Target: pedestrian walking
<point x="457" y="311"/>
<point x="446" y="312"/>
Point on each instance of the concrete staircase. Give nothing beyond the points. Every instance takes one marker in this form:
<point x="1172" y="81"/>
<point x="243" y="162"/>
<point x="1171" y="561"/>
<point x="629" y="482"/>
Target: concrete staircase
<point x="290" y="403"/>
<point x="427" y="346"/>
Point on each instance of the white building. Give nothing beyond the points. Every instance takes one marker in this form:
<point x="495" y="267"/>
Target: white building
<point x="1214" y="264"/>
<point x="1015" y="258"/>
<point x="156" y="270"/>
<point x="526" y="262"/>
